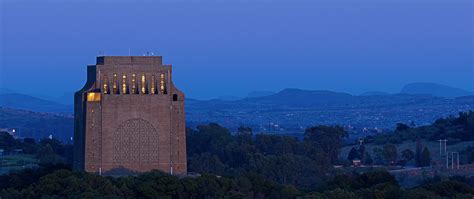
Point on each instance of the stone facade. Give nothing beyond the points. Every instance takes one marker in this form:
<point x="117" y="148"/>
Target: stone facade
<point x="129" y="117"/>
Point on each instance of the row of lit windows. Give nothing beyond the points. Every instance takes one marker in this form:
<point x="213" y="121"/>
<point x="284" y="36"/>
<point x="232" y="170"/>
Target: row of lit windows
<point x="144" y="88"/>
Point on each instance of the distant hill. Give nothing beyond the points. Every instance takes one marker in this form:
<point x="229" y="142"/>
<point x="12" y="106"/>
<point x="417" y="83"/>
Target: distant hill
<point x="295" y="109"/>
<point x="299" y="97"/>
<point x="6" y="91"/>
<point x="26" y="102"/>
<point x="36" y="124"/>
<point x="65" y="98"/>
<point x="228" y="98"/>
<point x="434" y="89"/>
<point x="374" y="93"/>
<point x="259" y="94"/>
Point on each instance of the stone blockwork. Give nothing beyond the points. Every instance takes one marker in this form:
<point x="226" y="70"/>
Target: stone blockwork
<point x="129" y="117"/>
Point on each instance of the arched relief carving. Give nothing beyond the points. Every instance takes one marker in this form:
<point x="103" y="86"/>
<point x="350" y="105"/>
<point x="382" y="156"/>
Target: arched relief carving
<point x="135" y="141"/>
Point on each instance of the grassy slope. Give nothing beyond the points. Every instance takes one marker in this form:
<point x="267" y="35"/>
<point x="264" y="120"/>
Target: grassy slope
<point x="16" y="162"/>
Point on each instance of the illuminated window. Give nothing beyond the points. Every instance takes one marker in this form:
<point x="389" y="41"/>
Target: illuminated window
<point x="93" y="97"/>
<point x="105" y="85"/>
<point x="134" y="83"/>
<point x="114" y="86"/>
<point x="124" y="84"/>
<point x="162" y="84"/>
<point x="144" y="87"/>
<point x="153" y="89"/>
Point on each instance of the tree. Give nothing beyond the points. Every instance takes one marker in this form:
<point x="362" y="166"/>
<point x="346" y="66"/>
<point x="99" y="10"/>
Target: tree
<point x="402" y="127"/>
<point x="362" y="153"/>
<point x="29" y="146"/>
<point x="244" y="130"/>
<point x="408" y="155"/>
<point x="425" y="158"/>
<point x="367" y="159"/>
<point x="390" y="153"/>
<point x="327" y="139"/>
<point x="7" y="142"/>
<point x="46" y="156"/>
<point x="353" y="154"/>
<point x="208" y="138"/>
<point x="379" y="155"/>
<point x="244" y="135"/>
<point x="419" y="150"/>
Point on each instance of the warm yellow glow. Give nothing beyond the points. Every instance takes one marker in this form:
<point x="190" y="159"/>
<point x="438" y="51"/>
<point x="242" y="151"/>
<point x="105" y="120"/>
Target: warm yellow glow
<point x="93" y="97"/>
<point x="162" y="84"/>
<point x="134" y="86"/>
<point x="143" y="84"/>
<point x="124" y="84"/>
<point x="152" y="84"/>
<point x="114" y="86"/>
<point x="105" y="86"/>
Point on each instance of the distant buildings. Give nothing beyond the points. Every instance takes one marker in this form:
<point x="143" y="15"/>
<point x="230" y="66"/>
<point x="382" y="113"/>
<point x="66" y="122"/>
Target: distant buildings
<point x="129" y="118"/>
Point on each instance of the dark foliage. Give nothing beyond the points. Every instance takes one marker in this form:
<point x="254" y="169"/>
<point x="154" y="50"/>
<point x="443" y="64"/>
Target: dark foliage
<point x="283" y="159"/>
<point x="61" y="182"/>
<point x="48" y="151"/>
<point x="53" y="182"/>
<point x="354" y="154"/>
<point x="455" y="129"/>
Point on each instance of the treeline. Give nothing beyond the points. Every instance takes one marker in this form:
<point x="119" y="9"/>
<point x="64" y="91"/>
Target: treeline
<point x="389" y="155"/>
<point x="282" y="159"/>
<point x="60" y="182"/>
<point x="233" y="166"/>
<point x="47" y="151"/>
<point x="455" y="129"/>
<point x="383" y="185"/>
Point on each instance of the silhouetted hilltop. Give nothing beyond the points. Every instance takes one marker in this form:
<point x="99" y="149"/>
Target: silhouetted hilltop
<point x="299" y="97"/>
<point x="37" y="124"/>
<point x="259" y="94"/>
<point x="434" y="89"/>
<point x="6" y="91"/>
<point x="26" y="102"/>
<point x="294" y="109"/>
<point x="228" y="98"/>
<point x="372" y="93"/>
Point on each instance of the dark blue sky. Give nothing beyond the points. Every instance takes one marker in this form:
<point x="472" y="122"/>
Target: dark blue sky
<point x="232" y="47"/>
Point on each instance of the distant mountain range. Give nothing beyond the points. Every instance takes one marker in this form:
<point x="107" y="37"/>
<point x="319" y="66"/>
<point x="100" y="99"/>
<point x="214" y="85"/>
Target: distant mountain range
<point x="252" y="94"/>
<point x="290" y="110"/>
<point x="374" y="93"/>
<point x="65" y="98"/>
<point x="298" y="97"/>
<point x="6" y="91"/>
<point x="259" y="94"/>
<point x="434" y="89"/>
<point x="26" y="102"/>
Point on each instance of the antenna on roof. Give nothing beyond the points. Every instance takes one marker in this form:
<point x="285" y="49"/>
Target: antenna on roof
<point x="148" y="53"/>
<point x="129" y="52"/>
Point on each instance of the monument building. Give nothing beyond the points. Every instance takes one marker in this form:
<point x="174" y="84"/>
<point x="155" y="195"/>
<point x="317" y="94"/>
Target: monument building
<point x="129" y="117"/>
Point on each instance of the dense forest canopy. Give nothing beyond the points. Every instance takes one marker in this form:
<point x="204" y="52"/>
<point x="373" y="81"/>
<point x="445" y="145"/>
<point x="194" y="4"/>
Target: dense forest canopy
<point x="246" y="165"/>
<point x="454" y="129"/>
